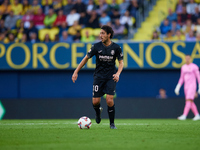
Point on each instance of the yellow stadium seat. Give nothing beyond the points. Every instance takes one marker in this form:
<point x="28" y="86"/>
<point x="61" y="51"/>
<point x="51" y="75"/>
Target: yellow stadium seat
<point x="89" y="30"/>
<point x="53" y="32"/>
<point x="42" y="33"/>
<point x="44" y="1"/>
<point x="96" y="31"/>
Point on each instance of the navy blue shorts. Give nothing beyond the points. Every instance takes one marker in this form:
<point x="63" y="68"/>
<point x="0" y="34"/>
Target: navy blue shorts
<point x="103" y="86"/>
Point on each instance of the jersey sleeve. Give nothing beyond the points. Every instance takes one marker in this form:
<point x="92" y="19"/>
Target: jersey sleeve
<point x="119" y="54"/>
<point x="197" y="74"/>
<point x="181" y="79"/>
<point x="91" y="52"/>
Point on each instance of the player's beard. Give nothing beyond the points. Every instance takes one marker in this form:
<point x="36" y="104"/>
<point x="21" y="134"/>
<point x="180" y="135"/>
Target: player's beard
<point x="105" y="40"/>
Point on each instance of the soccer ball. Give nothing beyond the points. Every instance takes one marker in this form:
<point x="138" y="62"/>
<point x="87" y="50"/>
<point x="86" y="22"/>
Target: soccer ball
<point x="84" y="123"/>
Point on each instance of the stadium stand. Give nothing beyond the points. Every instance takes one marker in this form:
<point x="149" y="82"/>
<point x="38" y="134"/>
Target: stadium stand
<point x="169" y="20"/>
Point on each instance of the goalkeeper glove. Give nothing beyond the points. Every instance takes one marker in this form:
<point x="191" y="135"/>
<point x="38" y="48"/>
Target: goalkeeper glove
<point x="177" y="89"/>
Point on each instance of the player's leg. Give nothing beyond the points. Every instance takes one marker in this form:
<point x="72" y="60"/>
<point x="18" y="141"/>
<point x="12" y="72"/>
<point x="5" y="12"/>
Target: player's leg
<point x="195" y="111"/>
<point x="110" y="91"/>
<point x="98" y="86"/>
<point x="98" y="109"/>
<point x="188" y="103"/>
<point x="111" y="110"/>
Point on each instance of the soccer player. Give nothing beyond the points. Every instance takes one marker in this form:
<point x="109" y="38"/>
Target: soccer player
<point x="189" y="74"/>
<point x="106" y="75"/>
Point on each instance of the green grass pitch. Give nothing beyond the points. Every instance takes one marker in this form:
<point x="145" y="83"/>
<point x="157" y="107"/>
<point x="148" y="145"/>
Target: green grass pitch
<point x="133" y="134"/>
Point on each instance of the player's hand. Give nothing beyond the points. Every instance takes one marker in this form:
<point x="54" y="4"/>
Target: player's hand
<point x="177" y="89"/>
<point x="74" y="77"/>
<point x="116" y="77"/>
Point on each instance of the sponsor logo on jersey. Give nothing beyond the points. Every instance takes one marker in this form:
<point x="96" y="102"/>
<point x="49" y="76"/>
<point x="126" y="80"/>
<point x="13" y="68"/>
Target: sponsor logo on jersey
<point x="105" y="58"/>
<point x="121" y="54"/>
<point x="112" y="52"/>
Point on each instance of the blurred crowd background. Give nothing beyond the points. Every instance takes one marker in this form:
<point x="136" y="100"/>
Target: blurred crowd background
<point x="64" y="20"/>
<point x="80" y="20"/>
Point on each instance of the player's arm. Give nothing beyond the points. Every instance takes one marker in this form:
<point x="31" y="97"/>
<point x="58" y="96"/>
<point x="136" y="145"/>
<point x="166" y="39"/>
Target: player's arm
<point x="197" y="74"/>
<point x="120" y="68"/>
<point x="82" y="63"/>
<point x="180" y="82"/>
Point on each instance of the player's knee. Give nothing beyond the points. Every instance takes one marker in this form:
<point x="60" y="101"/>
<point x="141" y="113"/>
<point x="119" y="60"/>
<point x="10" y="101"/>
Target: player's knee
<point x="110" y="101"/>
<point x="96" y="101"/>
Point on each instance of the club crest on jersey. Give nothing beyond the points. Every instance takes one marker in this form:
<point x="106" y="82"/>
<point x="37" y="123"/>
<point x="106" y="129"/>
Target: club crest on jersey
<point x="112" y="52"/>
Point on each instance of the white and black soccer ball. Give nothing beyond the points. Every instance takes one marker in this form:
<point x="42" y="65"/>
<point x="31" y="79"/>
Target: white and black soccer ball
<point x="84" y="123"/>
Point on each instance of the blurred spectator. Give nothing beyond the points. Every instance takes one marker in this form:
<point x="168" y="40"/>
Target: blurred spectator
<point x="118" y="30"/>
<point x="73" y="16"/>
<point x="47" y="38"/>
<point x="104" y="19"/>
<point x="2" y="38"/>
<point x="35" y="6"/>
<point x="198" y="37"/>
<point x="155" y="36"/>
<point x="123" y="7"/>
<point x="50" y="18"/>
<point x="114" y="15"/>
<point x="31" y="29"/>
<point x="11" y="38"/>
<point x="162" y="94"/>
<point x="60" y="18"/>
<point x="5" y="8"/>
<point x="113" y="6"/>
<point x="132" y="8"/>
<point x="87" y="38"/>
<point x="74" y="29"/>
<point x="11" y="20"/>
<point x="27" y="18"/>
<point x="83" y="19"/>
<point x="46" y="7"/>
<point x="179" y="7"/>
<point x="196" y="15"/>
<point x="56" y="39"/>
<point x="183" y="17"/>
<point x="17" y="8"/>
<point x="65" y="37"/>
<point x="169" y="36"/>
<point x="197" y="27"/>
<point x="33" y="38"/>
<point x="63" y="28"/>
<point x="165" y="26"/>
<point x="24" y="38"/>
<point x="188" y="26"/>
<point x="93" y="20"/>
<point x="179" y="36"/>
<point x="174" y="27"/>
<point x="190" y="36"/>
<point x="38" y="19"/>
<point x="79" y="6"/>
<point x="3" y="29"/>
<point x="77" y="37"/>
<point x="90" y="7"/>
<point x="57" y="5"/>
<point x="171" y="16"/>
<point x="102" y="7"/>
<point x="20" y="30"/>
<point x="191" y="7"/>
<point x="25" y="7"/>
<point x="126" y="20"/>
<point x="67" y="8"/>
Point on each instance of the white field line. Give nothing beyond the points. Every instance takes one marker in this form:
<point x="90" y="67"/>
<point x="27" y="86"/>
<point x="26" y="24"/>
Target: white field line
<point x="123" y="124"/>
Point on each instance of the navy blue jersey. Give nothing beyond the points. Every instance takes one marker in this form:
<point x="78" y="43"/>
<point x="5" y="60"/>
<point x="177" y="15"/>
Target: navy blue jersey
<point x="105" y="59"/>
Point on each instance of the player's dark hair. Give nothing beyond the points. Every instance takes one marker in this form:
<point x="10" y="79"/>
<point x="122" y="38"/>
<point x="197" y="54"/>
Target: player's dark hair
<point x="108" y="30"/>
<point x="187" y="55"/>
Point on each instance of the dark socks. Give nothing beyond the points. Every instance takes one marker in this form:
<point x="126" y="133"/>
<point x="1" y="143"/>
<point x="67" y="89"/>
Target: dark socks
<point x="97" y="110"/>
<point x="111" y="113"/>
